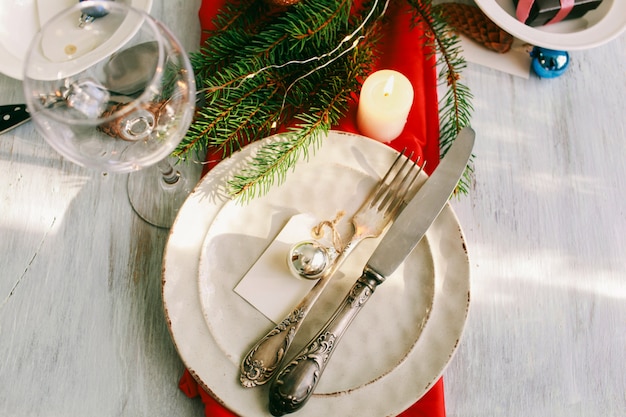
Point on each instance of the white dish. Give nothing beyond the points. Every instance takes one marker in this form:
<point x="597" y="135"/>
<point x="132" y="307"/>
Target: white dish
<point x="595" y="28"/>
<point x="20" y="21"/>
<point x="397" y="348"/>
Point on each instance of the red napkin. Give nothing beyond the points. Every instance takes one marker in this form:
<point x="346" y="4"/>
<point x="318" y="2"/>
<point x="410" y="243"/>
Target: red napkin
<point x="403" y="50"/>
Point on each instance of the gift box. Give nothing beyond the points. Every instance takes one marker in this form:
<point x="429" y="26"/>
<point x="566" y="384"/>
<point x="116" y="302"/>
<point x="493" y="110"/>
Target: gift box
<point x="544" y="12"/>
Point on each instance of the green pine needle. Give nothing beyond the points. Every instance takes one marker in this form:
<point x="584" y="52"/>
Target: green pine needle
<point x="455" y="107"/>
<point x="263" y="68"/>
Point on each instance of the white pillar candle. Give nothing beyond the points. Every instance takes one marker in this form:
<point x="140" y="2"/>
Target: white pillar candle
<point x="384" y="105"/>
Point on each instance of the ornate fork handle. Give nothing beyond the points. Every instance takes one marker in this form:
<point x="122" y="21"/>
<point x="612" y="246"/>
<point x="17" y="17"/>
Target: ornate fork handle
<point x="262" y="361"/>
<point x="378" y="210"/>
<point x="297" y="381"/>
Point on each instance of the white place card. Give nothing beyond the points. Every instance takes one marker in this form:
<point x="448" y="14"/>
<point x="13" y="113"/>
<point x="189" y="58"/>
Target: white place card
<point x="516" y="61"/>
<point x="269" y="286"/>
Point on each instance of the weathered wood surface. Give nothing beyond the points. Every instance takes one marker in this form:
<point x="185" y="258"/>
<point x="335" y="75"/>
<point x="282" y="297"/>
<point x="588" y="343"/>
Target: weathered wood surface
<point x="546" y="230"/>
<point x="82" y="330"/>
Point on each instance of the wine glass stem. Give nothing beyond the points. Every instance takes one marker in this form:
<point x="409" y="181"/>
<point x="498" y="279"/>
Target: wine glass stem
<point x="169" y="174"/>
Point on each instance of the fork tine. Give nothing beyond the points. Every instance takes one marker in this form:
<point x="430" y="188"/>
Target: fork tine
<point x="397" y="182"/>
<point x="390" y="196"/>
<point x="383" y="186"/>
<point x="399" y="197"/>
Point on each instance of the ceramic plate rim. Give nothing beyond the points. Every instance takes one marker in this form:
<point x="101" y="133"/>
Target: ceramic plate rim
<point x="186" y="320"/>
<point x="607" y="29"/>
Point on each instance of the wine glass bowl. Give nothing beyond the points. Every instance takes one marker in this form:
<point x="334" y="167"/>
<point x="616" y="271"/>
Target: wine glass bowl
<point x="115" y="92"/>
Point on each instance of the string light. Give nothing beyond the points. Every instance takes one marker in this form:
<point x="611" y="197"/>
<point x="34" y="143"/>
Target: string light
<point x="319" y="67"/>
<point x="355" y="43"/>
<point x="309" y="60"/>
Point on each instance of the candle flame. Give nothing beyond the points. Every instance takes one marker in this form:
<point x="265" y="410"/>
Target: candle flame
<point x="388" y="87"/>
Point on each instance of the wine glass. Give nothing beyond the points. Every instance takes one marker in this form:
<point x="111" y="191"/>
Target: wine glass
<point x="111" y="88"/>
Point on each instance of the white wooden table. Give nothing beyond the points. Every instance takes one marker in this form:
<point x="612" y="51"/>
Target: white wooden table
<point x="546" y="228"/>
<point x="82" y="330"/>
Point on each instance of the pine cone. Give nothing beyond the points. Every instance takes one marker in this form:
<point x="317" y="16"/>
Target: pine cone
<point x="473" y="23"/>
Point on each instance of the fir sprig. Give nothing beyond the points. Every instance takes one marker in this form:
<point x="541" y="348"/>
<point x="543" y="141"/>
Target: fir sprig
<point x="270" y="165"/>
<point x="262" y="68"/>
<point x="267" y="166"/>
<point x="297" y="67"/>
<point x="455" y="107"/>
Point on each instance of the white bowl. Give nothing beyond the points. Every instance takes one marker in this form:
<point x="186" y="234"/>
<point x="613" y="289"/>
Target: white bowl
<point x="21" y="20"/>
<point x="595" y="28"/>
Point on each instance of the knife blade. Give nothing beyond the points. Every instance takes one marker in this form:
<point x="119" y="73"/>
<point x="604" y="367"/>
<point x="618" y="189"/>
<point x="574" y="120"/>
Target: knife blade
<point x="296" y="382"/>
<point x="12" y="115"/>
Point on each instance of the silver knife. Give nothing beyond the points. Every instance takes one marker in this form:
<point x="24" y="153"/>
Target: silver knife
<point x="296" y="382"/>
<point x="12" y="115"/>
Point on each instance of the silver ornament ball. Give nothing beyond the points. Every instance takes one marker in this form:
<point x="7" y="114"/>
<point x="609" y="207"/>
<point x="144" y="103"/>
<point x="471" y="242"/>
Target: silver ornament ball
<point x="308" y="259"/>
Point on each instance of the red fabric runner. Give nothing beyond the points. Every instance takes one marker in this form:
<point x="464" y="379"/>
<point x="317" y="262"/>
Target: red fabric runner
<point x="402" y="49"/>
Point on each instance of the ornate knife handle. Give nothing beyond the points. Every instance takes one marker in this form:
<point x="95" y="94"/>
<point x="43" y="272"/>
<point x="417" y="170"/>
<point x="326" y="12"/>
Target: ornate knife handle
<point x="262" y="361"/>
<point x="295" y="384"/>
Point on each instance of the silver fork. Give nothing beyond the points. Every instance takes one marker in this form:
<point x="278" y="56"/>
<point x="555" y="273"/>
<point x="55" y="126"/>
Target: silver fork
<point x="381" y="206"/>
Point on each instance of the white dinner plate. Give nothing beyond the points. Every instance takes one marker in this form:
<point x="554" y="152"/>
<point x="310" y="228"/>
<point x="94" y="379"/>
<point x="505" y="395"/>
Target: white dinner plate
<point x="396" y="348"/>
<point x="595" y="28"/>
<point x="21" y="20"/>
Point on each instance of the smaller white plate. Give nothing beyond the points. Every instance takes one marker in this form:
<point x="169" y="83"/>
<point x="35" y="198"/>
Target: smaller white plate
<point x="595" y="28"/>
<point x="21" y="20"/>
<point x="390" y="325"/>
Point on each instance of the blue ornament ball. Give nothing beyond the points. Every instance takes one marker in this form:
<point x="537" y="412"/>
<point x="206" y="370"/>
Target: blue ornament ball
<point x="548" y="63"/>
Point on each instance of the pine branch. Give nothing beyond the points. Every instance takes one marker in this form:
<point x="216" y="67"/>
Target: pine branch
<point x="256" y="73"/>
<point x="455" y="106"/>
<point x="332" y="88"/>
<point x="261" y="68"/>
<point x="267" y="167"/>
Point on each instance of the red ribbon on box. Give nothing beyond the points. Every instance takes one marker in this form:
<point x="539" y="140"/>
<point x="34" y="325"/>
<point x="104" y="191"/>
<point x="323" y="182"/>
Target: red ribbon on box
<point x="403" y="49"/>
<point x="523" y="10"/>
